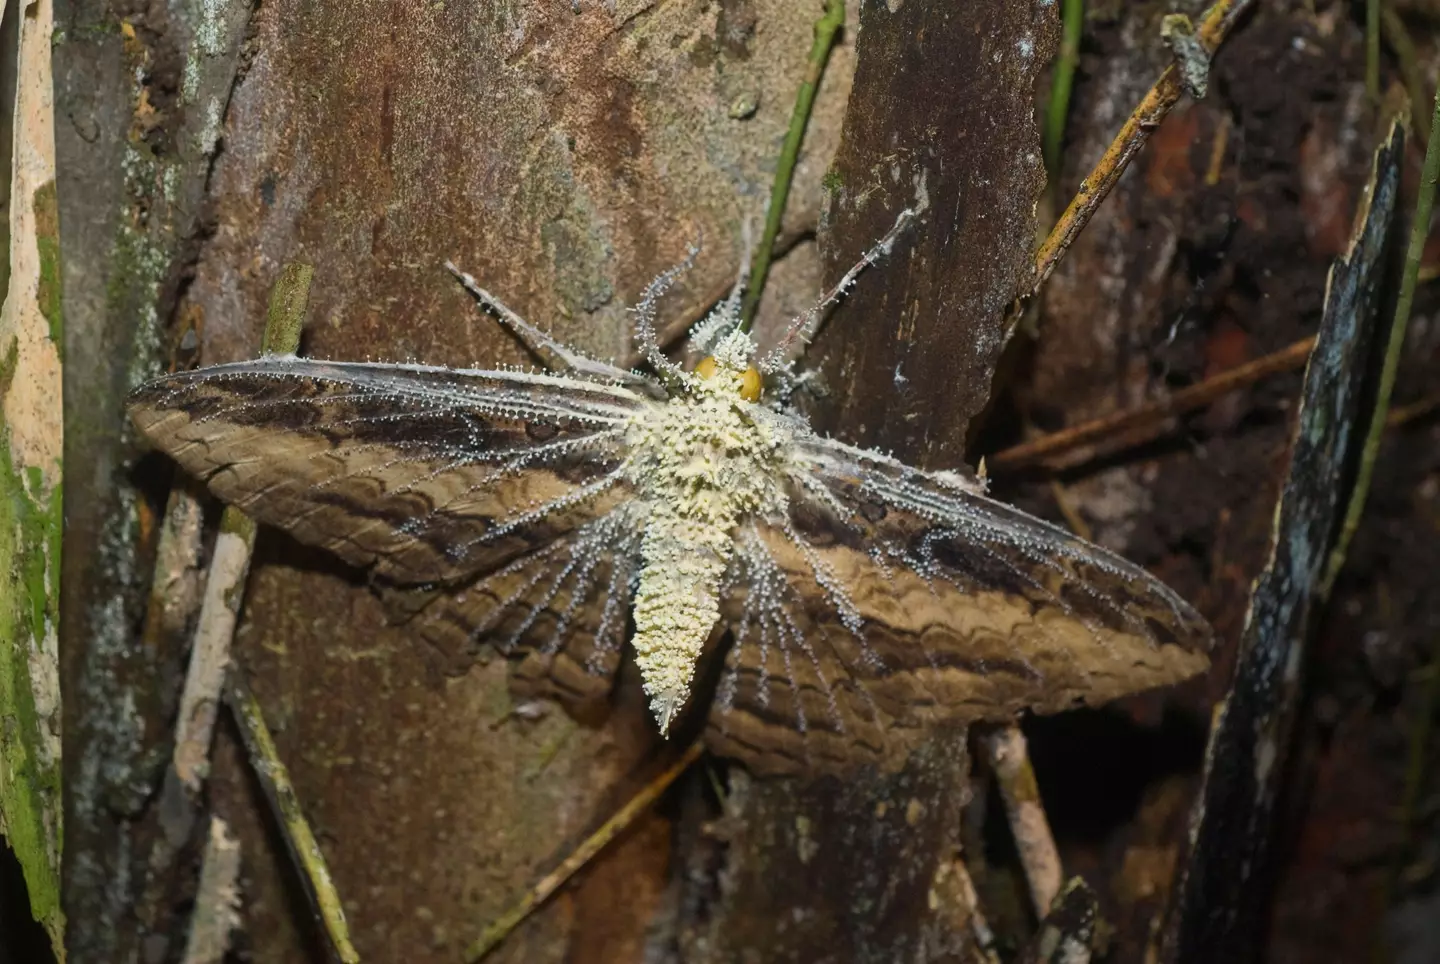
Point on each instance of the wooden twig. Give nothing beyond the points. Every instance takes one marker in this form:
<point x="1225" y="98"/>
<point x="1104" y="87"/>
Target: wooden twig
<point x="1067" y="934"/>
<point x="1214" y="27"/>
<point x="979" y="926"/>
<point x="826" y="28"/>
<point x="1402" y="414"/>
<point x="274" y="780"/>
<point x="1006" y="750"/>
<point x="210" y="659"/>
<point x="217" y="900"/>
<point x="1152" y="417"/>
<point x="491" y="937"/>
<point x="210" y="654"/>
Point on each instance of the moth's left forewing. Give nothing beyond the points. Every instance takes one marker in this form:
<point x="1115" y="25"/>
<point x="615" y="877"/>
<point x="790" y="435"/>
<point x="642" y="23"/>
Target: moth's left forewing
<point x="917" y="601"/>
<point x="420" y="474"/>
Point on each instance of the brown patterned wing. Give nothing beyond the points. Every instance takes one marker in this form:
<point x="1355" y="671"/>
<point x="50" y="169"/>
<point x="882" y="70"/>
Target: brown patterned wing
<point x="429" y="475"/>
<point x="891" y="600"/>
<point x="560" y="611"/>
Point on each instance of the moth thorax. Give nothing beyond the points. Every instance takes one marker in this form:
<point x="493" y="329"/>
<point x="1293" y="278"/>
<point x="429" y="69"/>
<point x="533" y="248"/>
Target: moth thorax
<point x="750" y="380"/>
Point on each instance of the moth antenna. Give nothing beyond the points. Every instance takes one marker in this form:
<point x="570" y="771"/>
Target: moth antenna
<point x="644" y="311"/>
<point x="556" y="356"/>
<point x="801" y="328"/>
<point x="747" y="251"/>
<point x="726" y="314"/>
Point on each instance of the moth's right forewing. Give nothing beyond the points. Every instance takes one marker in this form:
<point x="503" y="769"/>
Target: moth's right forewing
<point x="1070" y="621"/>
<point x="426" y="474"/>
<point x="896" y="601"/>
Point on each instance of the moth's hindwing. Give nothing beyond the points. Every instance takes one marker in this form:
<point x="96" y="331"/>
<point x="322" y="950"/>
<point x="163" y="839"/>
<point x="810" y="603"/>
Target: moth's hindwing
<point x="889" y="602"/>
<point x="428" y="475"/>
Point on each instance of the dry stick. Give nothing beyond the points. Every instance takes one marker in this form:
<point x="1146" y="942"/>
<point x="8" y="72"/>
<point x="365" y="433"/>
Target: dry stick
<point x="1402" y="414"/>
<point x="210" y="654"/>
<point x="984" y="935"/>
<point x="1133" y="136"/>
<point x="217" y="900"/>
<point x="229" y="565"/>
<point x="274" y="780"/>
<point x="491" y="937"/>
<point x="1154" y="415"/>
<point x="1006" y="750"/>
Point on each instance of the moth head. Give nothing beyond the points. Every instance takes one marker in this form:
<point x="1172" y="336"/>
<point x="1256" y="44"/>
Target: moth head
<point x="750" y="382"/>
<point x="732" y="358"/>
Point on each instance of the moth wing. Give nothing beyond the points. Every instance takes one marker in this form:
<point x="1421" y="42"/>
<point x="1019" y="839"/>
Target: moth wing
<point x="429" y="475"/>
<point x="895" y="600"/>
<point x="560" y="611"/>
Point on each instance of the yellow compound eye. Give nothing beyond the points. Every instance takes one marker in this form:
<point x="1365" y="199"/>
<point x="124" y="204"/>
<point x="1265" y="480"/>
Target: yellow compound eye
<point x="751" y="383"/>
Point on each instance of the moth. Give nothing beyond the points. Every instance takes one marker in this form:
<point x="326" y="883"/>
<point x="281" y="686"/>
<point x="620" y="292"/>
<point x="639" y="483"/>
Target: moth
<point x="867" y="601"/>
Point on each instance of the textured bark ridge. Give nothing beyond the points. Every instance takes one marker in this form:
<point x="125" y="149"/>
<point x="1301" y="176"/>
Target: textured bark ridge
<point x="852" y="869"/>
<point x="944" y="106"/>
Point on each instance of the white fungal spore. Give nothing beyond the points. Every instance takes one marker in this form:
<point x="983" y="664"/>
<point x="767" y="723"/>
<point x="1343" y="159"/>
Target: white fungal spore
<point x="700" y="462"/>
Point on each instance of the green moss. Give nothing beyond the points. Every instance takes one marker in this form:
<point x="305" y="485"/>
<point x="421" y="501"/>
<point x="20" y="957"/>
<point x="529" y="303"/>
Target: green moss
<point x="7" y="366"/>
<point x="29" y="776"/>
<point x="831" y="183"/>
<point x="47" y="244"/>
<point x="232" y="520"/>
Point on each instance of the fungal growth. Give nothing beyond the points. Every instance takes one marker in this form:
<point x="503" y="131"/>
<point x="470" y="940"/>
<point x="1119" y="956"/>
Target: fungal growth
<point x="867" y="601"/>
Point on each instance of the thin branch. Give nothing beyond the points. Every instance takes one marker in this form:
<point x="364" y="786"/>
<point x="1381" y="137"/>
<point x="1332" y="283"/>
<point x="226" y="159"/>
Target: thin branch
<point x="491" y="937"/>
<point x="286" y="315"/>
<point x="1010" y="759"/>
<point x="1214" y="27"/>
<point x="210" y="654"/>
<point x="825" y="30"/>
<point x="1151" y="418"/>
<point x="217" y="900"/>
<point x="274" y="780"/>
<point x="979" y="926"/>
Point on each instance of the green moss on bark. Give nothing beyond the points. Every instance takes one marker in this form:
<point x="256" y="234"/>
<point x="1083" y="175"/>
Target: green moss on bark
<point x="29" y="594"/>
<point x="47" y="244"/>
